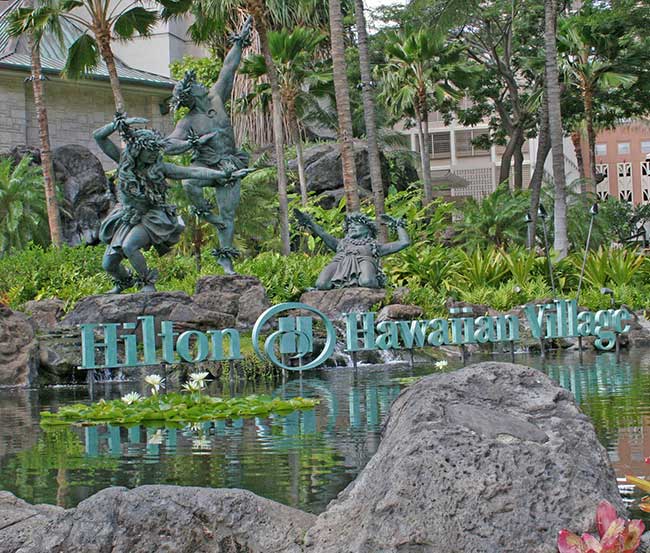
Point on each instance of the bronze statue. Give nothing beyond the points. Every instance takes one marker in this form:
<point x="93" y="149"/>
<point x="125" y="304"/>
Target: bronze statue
<point x="208" y="119"/>
<point x="358" y="254"/>
<point x="142" y="218"/>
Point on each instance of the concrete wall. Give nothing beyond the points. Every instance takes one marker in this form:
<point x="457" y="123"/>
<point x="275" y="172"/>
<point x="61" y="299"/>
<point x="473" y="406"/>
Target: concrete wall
<point x="12" y="111"/>
<point x="75" y="109"/>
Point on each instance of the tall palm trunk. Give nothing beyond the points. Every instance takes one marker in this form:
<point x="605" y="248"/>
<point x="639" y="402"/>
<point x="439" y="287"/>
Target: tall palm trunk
<point x="104" y="41"/>
<point x="543" y="149"/>
<point x="591" y="135"/>
<point x="422" y="120"/>
<point x="342" y="94"/>
<point x="53" y="216"/>
<point x="297" y="142"/>
<point x="367" y="95"/>
<point x="561" y="240"/>
<point x="576" y="138"/>
<point x="257" y="9"/>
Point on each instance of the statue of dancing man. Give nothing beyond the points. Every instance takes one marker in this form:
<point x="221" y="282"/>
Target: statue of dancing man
<point x="208" y="131"/>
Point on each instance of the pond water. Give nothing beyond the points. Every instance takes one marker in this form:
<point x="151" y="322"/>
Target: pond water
<point x="304" y="459"/>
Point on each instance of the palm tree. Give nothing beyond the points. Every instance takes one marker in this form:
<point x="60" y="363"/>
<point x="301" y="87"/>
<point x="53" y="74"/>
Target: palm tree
<point x="101" y="21"/>
<point x="552" y="83"/>
<point x="342" y="91"/>
<point x="367" y="94"/>
<point x="585" y="71"/>
<point x="422" y="71"/>
<point x="300" y="79"/>
<point x="34" y="37"/>
<point x="22" y="205"/>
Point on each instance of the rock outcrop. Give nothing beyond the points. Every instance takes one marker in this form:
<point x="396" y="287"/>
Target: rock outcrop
<point x="324" y="173"/>
<point x="87" y="194"/>
<point x="242" y="297"/>
<point x="491" y="458"/>
<point x="154" y="519"/>
<point x="19" y="353"/>
<point x="336" y="303"/>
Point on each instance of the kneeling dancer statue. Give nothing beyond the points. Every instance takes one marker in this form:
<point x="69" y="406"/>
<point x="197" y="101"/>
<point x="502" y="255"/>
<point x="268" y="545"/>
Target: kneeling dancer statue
<point x="142" y="218"/>
<point x="358" y="254"/>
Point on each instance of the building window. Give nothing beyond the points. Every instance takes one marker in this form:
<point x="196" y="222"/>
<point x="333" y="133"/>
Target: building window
<point x="623" y="148"/>
<point x="601" y="149"/>
<point x="464" y="146"/>
<point x="645" y="146"/>
<point x="440" y="145"/>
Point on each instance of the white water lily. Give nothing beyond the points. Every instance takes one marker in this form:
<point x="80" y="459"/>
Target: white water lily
<point x="155" y="381"/>
<point x="199" y="378"/>
<point x="131" y="397"/>
<point x="441" y="364"/>
<point x="192" y="386"/>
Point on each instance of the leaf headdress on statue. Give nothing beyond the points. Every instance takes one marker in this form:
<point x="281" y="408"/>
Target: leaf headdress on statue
<point x="361" y="219"/>
<point x="182" y="94"/>
<point x="138" y="139"/>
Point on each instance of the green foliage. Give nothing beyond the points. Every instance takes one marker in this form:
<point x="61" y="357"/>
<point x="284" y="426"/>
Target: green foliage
<point x="480" y="268"/>
<point x="620" y="220"/>
<point x="607" y="267"/>
<point x="22" y="206"/>
<point x="173" y="408"/>
<point x="497" y="219"/>
<point x="284" y="278"/>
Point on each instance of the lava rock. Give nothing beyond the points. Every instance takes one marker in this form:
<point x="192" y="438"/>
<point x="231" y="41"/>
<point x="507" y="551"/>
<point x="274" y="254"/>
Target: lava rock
<point x="399" y="312"/>
<point x="45" y="314"/>
<point x="154" y="518"/>
<point x="493" y="457"/>
<point x="164" y="306"/>
<point x="324" y="171"/>
<point x="19" y="352"/>
<point x="242" y="297"/>
<point x="87" y="193"/>
<point x="86" y="190"/>
<point x="335" y="303"/>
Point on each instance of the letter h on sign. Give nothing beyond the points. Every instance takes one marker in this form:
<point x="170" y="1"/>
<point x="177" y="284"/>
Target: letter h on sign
<point x="295" y="335"/>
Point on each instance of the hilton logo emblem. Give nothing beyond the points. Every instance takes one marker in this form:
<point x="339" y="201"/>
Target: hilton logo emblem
<point x="294" y="336"/>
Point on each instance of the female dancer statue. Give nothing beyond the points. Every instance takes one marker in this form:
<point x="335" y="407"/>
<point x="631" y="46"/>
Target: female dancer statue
<point x="356" y="262"/>
<point x="142" y="218"/>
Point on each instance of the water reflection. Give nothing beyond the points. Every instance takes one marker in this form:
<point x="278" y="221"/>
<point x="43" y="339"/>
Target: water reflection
<point x="303" y="459"/>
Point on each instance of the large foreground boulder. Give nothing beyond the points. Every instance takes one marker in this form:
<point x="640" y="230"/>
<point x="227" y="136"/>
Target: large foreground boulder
<point x="154" y="519"/>
<point x="493" y="458"/>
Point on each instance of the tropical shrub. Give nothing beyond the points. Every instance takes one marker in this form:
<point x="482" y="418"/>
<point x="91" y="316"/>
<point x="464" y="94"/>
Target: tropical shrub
<point x="480" y="268"/>
<point x="496" y="220"/>
<point x="22" y="205"/>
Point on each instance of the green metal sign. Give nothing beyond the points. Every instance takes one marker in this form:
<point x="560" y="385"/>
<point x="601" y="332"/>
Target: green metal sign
<point x="112" y="345"/>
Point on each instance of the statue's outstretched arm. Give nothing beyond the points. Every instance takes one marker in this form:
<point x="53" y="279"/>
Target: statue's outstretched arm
<point x="403" y="239"/>
<point x="203" y="173"/>
<point x="177" y="142"/>
<point x="307" y="222"/>
<point x="223" y="87"/>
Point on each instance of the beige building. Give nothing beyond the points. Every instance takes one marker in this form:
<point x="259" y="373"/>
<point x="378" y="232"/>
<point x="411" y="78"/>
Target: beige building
<point x="76" y="108"/>
<point x="451" y="149"/>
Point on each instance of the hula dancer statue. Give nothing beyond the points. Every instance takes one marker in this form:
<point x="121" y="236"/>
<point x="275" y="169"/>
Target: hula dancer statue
<point x="358" y="254"/>
<point x="207" y="118"/>
<point x="142" y="218"/>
